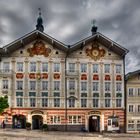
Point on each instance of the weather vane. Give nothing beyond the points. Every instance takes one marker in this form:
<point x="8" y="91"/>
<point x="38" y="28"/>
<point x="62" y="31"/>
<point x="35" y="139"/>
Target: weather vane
<point x="93" y="22"/>
<point x="39" y="9"/>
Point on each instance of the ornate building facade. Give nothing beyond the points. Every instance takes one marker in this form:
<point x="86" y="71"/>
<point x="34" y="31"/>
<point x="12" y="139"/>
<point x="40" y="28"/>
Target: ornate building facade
<point x="133" y="102"/>
<point x="69" y="87"/>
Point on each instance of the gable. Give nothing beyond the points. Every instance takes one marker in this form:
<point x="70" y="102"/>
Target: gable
<point x="28" y="38"/>
<point x="98" y="37"/>
<point x="94" y="51"/>
<point x="38" y="48"/>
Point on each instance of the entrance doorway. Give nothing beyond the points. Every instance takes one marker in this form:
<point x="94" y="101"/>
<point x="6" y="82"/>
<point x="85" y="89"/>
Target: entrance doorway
<point x="19" y="121"/>
<point x="94" y="123"/>
<point x="37" y="121"/>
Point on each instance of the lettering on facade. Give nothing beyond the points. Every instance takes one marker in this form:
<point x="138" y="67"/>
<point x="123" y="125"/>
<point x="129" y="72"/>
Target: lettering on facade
<point x="37" y="112"/>
<point x="94" y="113"/>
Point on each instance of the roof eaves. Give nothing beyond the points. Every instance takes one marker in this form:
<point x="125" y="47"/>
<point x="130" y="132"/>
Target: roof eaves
<point x="119" y="46"/>
<point x="19" y="39"/>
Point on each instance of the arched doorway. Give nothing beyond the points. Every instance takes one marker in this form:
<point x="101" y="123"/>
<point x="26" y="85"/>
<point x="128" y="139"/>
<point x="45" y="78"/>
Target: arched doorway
<point x="19" y="121"/>
<point x="37" y="121"/>
<point x="94" y="123"/>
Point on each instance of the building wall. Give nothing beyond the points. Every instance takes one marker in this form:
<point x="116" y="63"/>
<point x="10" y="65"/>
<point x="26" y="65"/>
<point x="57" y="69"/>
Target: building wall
<point x="133" y="104"/>
<point x="64" y="76"/>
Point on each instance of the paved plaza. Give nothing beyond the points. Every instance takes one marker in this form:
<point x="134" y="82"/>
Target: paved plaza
<point x="15" y="134"/>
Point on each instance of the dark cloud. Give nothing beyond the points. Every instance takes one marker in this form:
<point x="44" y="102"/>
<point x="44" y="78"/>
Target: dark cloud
<point x="70" y="21"/>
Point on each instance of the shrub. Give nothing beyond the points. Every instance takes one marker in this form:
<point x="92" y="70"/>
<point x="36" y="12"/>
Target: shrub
<point x="45" y="127"/>
<point x="28" y="125"/>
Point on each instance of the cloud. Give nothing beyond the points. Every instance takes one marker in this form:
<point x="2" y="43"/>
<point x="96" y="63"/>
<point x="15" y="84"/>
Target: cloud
<point x="71" y="20"/>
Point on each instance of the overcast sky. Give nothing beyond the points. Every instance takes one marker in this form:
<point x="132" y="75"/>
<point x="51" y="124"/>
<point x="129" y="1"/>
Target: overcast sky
<point x="71" y="20"/>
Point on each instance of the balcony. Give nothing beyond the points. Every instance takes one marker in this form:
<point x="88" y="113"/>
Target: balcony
<point x="6" y="73"/>
<point x="72" y="73"/>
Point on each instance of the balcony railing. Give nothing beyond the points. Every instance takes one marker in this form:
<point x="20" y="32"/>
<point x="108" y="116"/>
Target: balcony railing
<point x="72" y="72"/>
<point x="6" y="72"/>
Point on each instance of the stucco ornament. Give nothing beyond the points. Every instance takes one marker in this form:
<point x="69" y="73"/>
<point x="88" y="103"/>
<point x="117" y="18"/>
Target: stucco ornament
<point x="95" y="52"/>
<point x="39" y="49"/>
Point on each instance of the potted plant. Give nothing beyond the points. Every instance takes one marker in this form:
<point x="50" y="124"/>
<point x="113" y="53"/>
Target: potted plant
<point x="44" y="127"/>
<point x="28" y="125"/>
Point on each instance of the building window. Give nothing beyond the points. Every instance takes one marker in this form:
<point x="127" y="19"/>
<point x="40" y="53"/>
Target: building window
<point x="56" y="67"/>
<point x="19" y="85"/>
<point x="83" y="102"/>
<point x="32" y="66"/>
<point x="131" y="125"/>
<point x="56" y="85"/>
<point x="83" y="67"/>
<point x="118" y="102"/>
<point x="118" y="86"/>
<point x="139" y="108"/>
<point x="55" y="119"/>
<point x="56" y="99"/>
<point x="138" y="125"/>
<point x="71" y="102"/>
<point x="107" y="68"/>
<point x="32" y="102"/>
<point x="107" y="100"/>
<point x="5" y="84"/>
<point x="95" y="100"/>
<point x="19" y="99"/>
<point x="74" y="119"/>
<point x="130" y="92"/>
<point x="107" y="86"/>
<point x="71" y="67"/>
<point x="19" y="102"/>
<point x="32" y="85"/>
<point x="6" y="66"/>
<point x="20" y="66"/>
<point x="44" y="99"/>
<point x="83" y="86"/>
<point x="71" y="85"/>
<point x="118" y="68"/>
<point x="138" y="91"/>
<point x="32" y="98"/>
<point x="44" y="85"/>
<point x="95" y="68"/>
<point x="131" y="108"/>
<point x="95" y="86"/>
<point x="83" y="99"/>
<point x="44" y="67"/>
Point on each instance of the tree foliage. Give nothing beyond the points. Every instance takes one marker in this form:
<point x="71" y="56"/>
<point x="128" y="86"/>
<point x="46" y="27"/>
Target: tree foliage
<point x="3" y="103"/>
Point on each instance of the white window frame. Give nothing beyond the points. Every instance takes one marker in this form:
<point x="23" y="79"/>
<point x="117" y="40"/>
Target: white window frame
<point x="129" y="108"/>
<point x="46" y="68"/>
<point x="31" y="65"/>
<point x="20" y="68"/>
<point x="83" y="67"/>
<point x="107" y="70"/>
<point x="56" y="67"/>
<point x="119" y="68"/>
<point x="55" y="119"/>
<point x="97" y="68"/>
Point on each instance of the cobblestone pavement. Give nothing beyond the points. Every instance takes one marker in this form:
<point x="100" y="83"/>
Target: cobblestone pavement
<point x="15" y="134"/>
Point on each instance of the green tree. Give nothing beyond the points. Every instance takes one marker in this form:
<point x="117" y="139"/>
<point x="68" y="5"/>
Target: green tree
<point x="3" y="103"/>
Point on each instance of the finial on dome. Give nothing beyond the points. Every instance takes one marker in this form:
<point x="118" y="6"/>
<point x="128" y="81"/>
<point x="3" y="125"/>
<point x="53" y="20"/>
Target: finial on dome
<point x="39" y="25"/>
<point x="94" y="27"/>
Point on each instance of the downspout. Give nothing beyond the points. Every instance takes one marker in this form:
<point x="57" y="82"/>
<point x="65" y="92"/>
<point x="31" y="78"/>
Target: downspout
<point x="66" y="114"/>
<point x="125" y="96"/>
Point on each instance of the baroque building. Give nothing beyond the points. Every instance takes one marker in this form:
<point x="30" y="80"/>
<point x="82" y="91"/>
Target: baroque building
<point x="69" y="87"/>
<point x="133" y="102"/>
